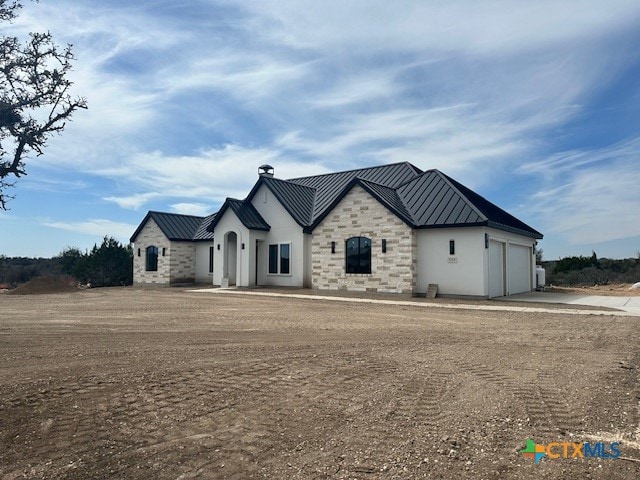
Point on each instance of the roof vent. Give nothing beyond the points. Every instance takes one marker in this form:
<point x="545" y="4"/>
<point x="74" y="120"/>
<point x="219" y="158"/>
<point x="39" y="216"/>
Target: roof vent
<point x="265" y="170"/>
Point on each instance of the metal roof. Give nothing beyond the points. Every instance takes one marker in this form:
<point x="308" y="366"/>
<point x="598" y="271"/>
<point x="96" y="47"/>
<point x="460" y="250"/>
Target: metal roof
<point x="428" y="199"/>
<point x="176" y="227"/>
<point x="434" y="199"/>
<point x="331" y="186"/>
<point x="297" y="199"/>
<point x="202" y="233"/>
<point x="246" y="213"/>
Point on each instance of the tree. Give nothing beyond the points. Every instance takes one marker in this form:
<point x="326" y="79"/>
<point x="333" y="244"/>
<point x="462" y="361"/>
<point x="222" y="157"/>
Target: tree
<point x="35" y="101"/>
<point x="107" y="265"/>
<point x="110" y="264"/>
<point x="539" y="252"/>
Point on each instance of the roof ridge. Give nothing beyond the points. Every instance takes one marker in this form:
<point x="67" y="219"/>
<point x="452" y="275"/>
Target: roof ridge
<point x="413" y="167"/>
<point x="384" y="201"/>
<point x="176" y="214"/>
<point x="472" y="205"/>
<point x="269" y="179"/>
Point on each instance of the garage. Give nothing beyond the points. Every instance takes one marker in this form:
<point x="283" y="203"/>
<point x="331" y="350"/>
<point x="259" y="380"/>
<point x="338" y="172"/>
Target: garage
<point x="496" y="269"/>
<point x="519" y="267"/>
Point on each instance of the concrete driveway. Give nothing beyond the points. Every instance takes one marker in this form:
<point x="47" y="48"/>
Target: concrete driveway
<point x="627" y="304"/>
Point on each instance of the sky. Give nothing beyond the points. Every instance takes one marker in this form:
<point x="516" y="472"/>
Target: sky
<point x="534" y="105"/>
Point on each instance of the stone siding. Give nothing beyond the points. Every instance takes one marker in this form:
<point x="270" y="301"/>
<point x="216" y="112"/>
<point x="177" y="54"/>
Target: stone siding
<point x="359" y="214"/>
<point x="177" y="265"/>
<point x="182" y="261"/>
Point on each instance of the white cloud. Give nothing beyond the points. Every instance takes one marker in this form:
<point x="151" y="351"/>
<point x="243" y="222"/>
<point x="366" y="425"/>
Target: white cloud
<point x="214" y="174"/>
<point x="132" y="202"/>
<point x="197" y="209"/>
<point x="595" y="204"/>
<point x="491" y="27"/>
<point x="96" y="227"/>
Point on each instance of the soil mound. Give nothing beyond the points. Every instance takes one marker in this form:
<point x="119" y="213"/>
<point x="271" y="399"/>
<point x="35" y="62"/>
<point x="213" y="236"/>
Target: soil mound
<point x="44" y="285"/>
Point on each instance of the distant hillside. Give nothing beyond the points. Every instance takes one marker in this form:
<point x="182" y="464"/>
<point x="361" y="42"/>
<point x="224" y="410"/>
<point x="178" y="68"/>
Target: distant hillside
<point x="17" y="270"/>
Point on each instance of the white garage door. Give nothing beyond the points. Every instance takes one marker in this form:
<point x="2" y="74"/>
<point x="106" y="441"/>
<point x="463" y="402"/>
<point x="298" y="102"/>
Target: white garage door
<point x="519" y="269"/>
<point x="496" y="269"/>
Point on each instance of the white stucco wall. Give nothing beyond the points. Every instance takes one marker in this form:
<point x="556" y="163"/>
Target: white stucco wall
<point x="202" y="263"/>
<point x="459" y="274"/>
<point x="230" y="223"/>
<point x="284" y="229"/>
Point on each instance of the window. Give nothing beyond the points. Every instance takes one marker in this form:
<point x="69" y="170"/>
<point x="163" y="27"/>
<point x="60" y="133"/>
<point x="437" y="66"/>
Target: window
<point x="384" y="245"/>
<point x="152" y="259"/>
<point x="280" y="259"/>
<point x="333" y="247"/>
<point x="358" y="255"/>
<point x="210" y="259"/>
<point x="452" y="247"/>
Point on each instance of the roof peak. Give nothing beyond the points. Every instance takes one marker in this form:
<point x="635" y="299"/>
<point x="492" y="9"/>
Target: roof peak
<point x="413" y="167"/>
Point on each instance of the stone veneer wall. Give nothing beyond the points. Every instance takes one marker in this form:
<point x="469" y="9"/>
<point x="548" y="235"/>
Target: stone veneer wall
<point x="177" y="265"/>
<point x="359" y="214"/>
<point x="182" y="261"/>
<point x="150" y="235"/>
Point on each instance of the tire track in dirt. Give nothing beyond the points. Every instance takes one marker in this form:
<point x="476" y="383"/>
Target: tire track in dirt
<point x="544" y="403"/>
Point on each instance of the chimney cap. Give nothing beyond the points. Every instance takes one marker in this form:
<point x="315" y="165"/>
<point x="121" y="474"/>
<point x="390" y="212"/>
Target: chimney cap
<point x="265" y="170"/>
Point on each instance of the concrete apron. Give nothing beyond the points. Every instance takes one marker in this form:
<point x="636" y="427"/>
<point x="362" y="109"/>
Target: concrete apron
<point x="409" y="303"/>
<point x="627" y="304"/>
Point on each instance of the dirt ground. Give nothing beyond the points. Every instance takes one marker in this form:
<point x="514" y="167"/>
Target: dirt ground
<point x="167" y="384"/>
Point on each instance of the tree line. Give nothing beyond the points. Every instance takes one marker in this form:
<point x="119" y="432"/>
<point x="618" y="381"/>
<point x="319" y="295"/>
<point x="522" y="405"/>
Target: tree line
<point x="591" y="270"/>
<point x="110" y="264"/>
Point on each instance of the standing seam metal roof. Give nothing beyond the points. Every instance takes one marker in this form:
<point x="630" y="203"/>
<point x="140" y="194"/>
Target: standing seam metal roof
<point x="331" y="185"/>
<point x="176" y="227"/>
<point x="246" y="213"/>
<point x="428" y="199"/>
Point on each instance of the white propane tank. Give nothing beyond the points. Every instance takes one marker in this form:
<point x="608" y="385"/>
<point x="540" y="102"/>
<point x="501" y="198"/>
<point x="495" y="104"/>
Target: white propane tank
<point x="541" y="279"/>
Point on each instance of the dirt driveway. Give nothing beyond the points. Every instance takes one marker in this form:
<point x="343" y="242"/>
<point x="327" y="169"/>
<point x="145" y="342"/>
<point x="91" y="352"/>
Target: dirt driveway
<point x="166" y="384"/>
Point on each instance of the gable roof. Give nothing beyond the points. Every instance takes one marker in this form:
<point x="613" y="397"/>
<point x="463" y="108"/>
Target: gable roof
<point x="297" y="199"/>
<point x="178" y="227"/>
<point x="427" y="199"/>
<point x="331" y="186"/>
<point x="246" y="213"/>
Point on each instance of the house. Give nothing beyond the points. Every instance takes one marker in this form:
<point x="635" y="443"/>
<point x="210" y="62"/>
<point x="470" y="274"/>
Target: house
<point x="389" y="228"/>
<point x="171" y="248"/>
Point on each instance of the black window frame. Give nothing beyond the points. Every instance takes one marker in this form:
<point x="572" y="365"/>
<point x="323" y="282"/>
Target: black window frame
<point x="211" y="252"/>
<point x="279" y="259"/>
<point x="358" y="263"/>
<point x="151" y="258"/>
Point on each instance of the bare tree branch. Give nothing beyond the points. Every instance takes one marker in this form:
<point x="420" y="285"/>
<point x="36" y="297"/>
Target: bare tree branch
<point x="34" y="97"/>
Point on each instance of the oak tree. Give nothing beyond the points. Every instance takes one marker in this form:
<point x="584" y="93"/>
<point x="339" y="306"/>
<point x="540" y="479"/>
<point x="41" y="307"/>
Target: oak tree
<point x="35" y="98"/>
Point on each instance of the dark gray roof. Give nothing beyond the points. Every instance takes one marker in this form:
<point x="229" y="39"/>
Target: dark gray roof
<point x="428" y="199"/>
<point x="202" y="233"/>
<point x="297" y="199"/>
<point x="331" y="186"/>
<point x="176" y="227"/>
<point x="246" y="213"/>
<point x="435" y="200"/>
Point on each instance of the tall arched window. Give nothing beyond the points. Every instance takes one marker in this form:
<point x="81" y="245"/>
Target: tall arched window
<point x="358" y="255"/>
<point x="152" y="259"/>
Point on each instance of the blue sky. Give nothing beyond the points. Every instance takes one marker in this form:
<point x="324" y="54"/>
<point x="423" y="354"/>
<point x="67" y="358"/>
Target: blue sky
<point x="535" y="105"/>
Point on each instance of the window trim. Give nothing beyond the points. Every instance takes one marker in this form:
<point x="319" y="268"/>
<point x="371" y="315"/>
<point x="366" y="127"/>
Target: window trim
<point x="279" y="246"/>
<point x="147" y="265"/>
<point x="211" y="253"/>
<point x="346" y="255"/>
